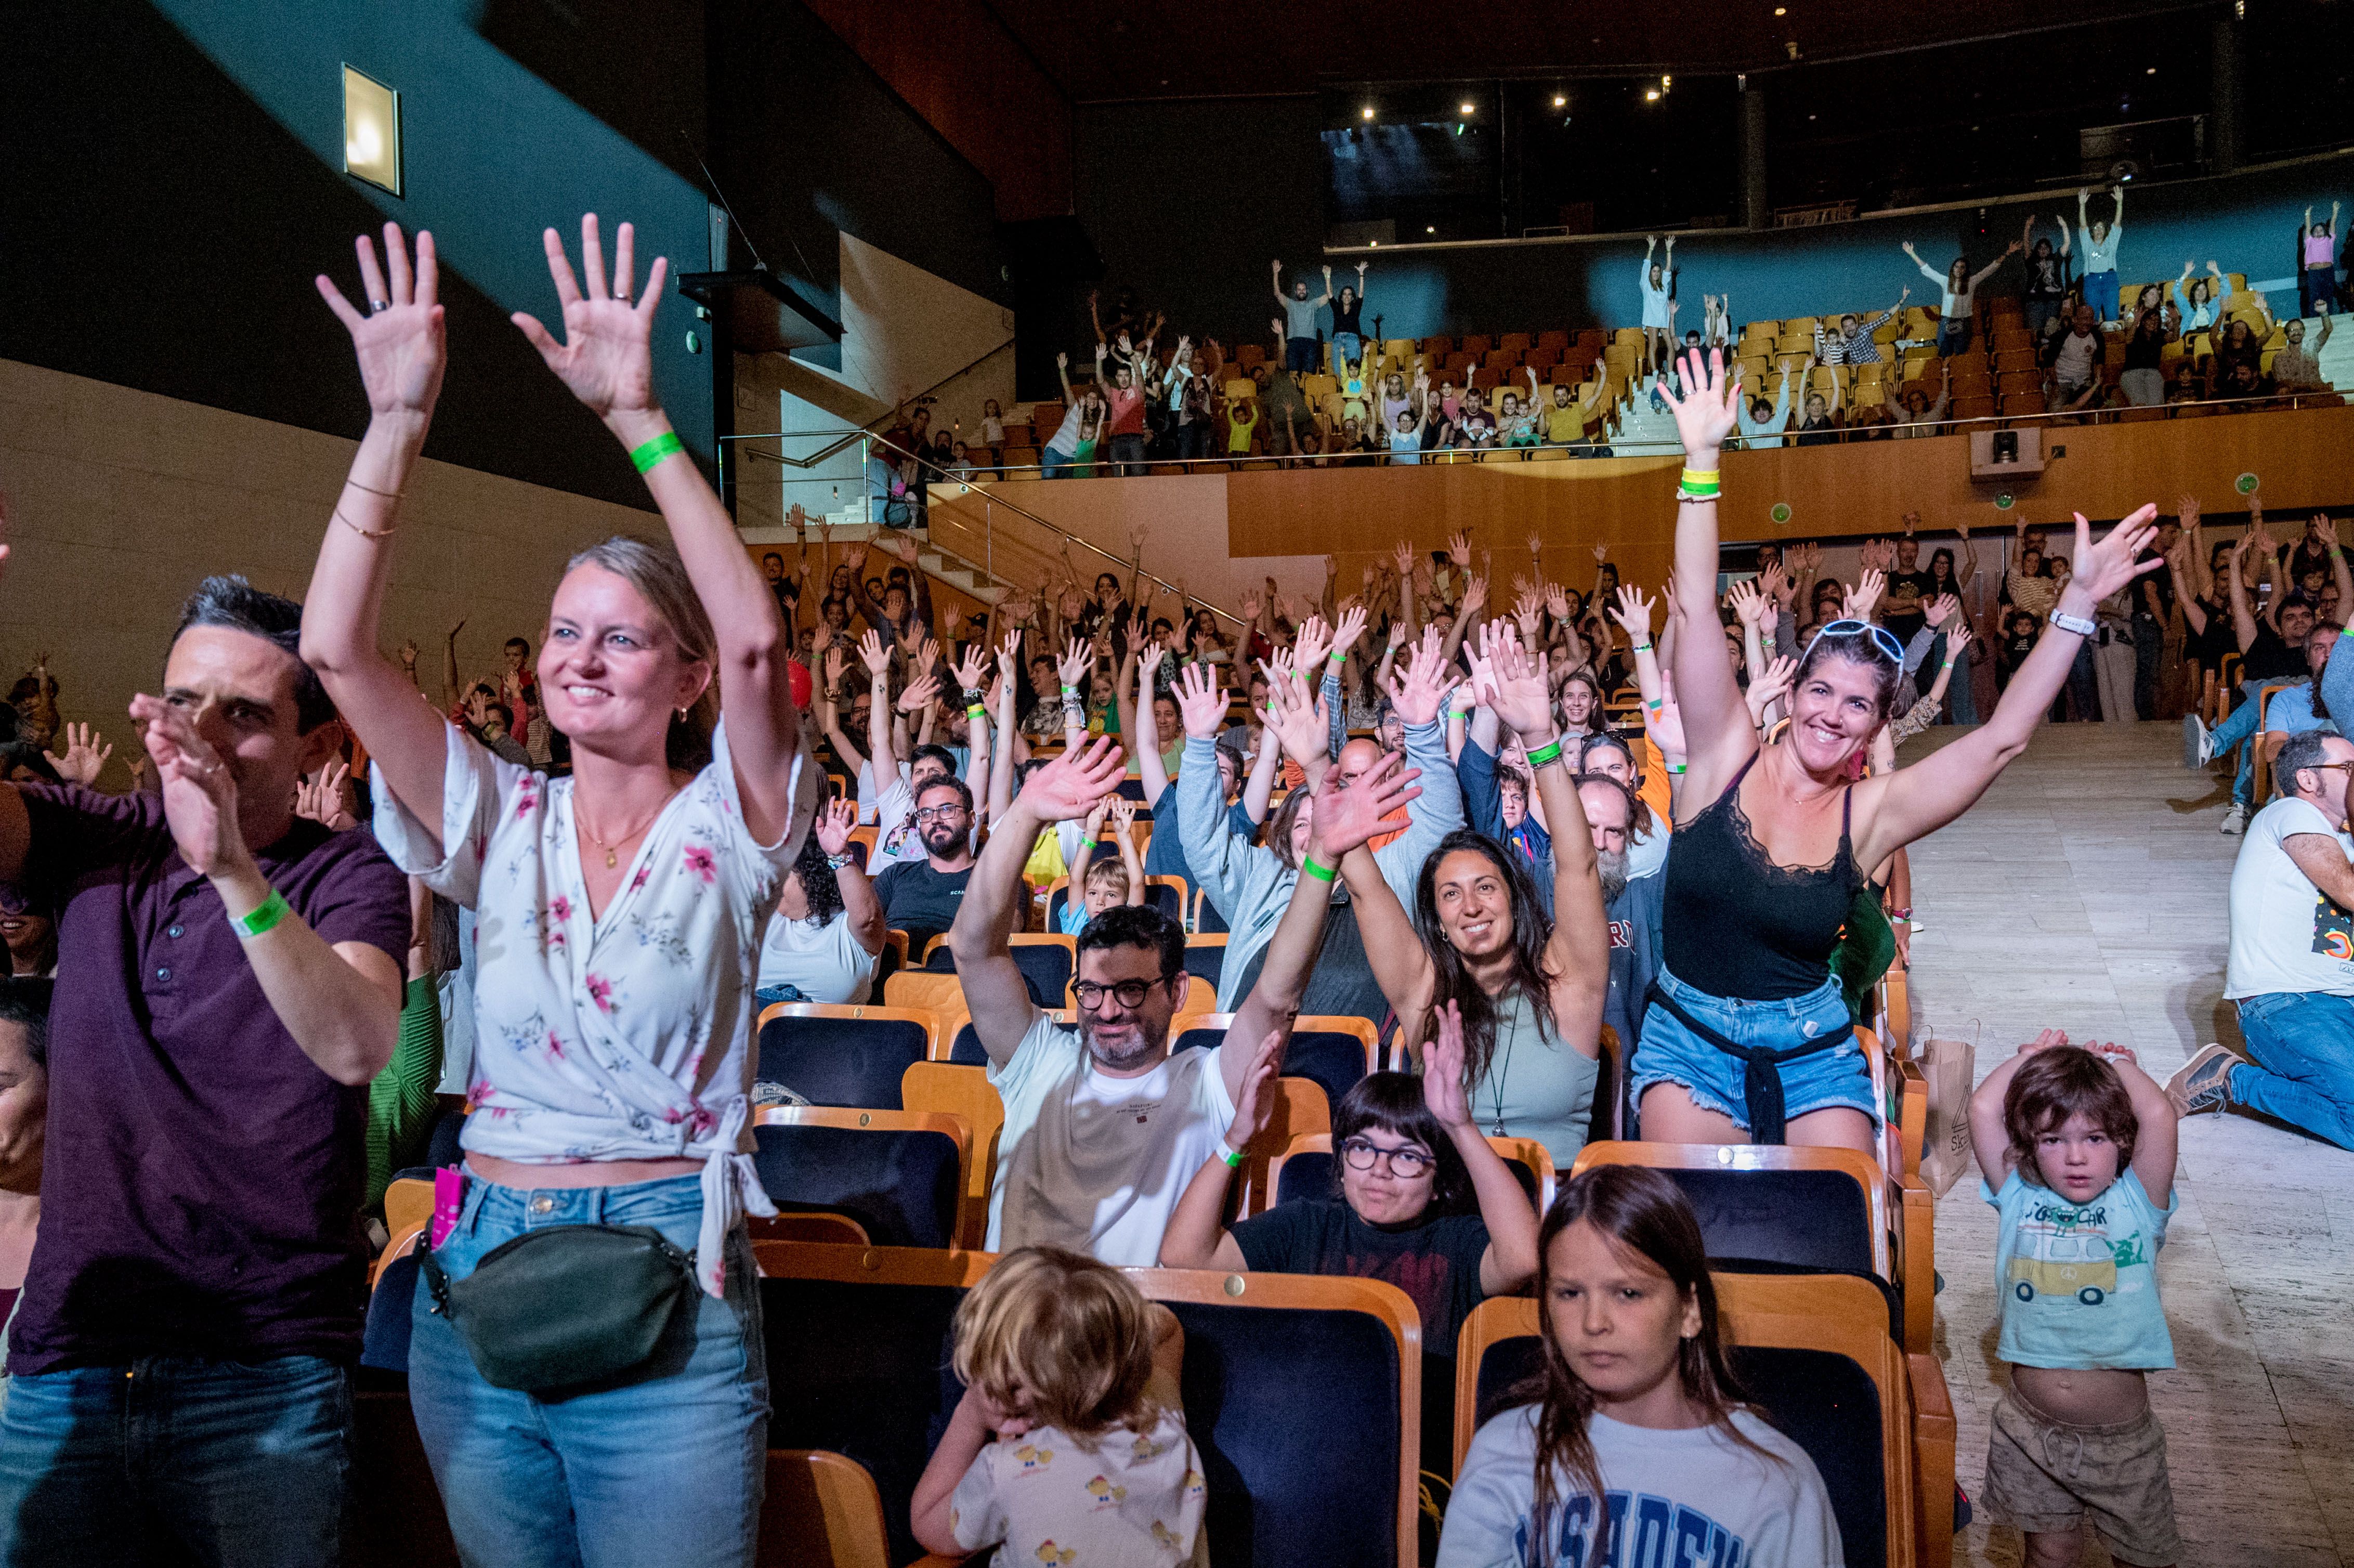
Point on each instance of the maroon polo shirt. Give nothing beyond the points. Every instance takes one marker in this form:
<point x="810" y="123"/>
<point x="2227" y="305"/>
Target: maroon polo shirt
<point x="201" y="1192"/>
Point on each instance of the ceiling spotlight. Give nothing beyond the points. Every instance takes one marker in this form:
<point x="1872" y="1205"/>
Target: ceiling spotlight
<point x="1430" y="228"/>
<point x="1781" y="10"/>
<point x="1650" y="95"/>
<point x="1367" y="111"/>
<point x="1373" y="244"/>
<point x="1560" y="100"/>
<point x="1666" y="82"/>
<point x="1469" y="108"/>
<point x="2151" y="72"/>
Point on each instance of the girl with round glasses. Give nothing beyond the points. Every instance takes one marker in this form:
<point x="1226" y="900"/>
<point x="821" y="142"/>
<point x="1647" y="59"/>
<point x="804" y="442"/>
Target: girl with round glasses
<point x="1748" y="1038"/>
<point x="1421" y="1200"/>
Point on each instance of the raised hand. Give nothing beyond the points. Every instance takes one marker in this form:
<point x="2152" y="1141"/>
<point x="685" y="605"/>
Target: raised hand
<point x="1475" y="596"/>
<point x="835" y="823"/>
<point x="919" y="694"/>
<point x="1299" y="717"/>
<point x="928" y="655"/>
<point x="1516" y="687"/>
<point x="872" y="652"/>
<point x="1148" y="662"/>
<point x="1773" y="682"/>
<point x="1352" y="628"/>
<point x="1063" y="789"/>
<point x="1073" y="667"/>
<point x="1774" y="584"/>
<point x="1748" y="604"/>
<point x="199" y="790"/>
<point x="1957" y="637"/>
<point x="1536" y="543"/>
<point x="1529" y="610"/>
<point x="1348" y="815"/>
<point x="1665" y="724"/>
<point x="1458" y="549"/>
<point x="1123" y="815"/>
<point x="401" y="344"/>
<point x="1309" y="649"/>
<point x="1200" y="704"/>
<point x="970" y="669"/>
<point x="84" y="757"/>
<point x="1443" y="1089"/>
<point x="1418" y="696"/>
<point x="1707" y="408"/>
<point x="2187" y="512"/>
<point x="1009" y="654"/>
<point x="833" y="667"/>
<point x="1252" y="603"/>
<point x="1557" y="601"/>
<point x="1091" y="830"/>
<point x="1402" y="554"/>
<point x="607" y="357"/>
<point x="1856" y="604"/>
<point x="1255" y="1104"/>
<point x="2103" y="569"/>
<point x="1633" y="612"/>
<point x="1941" y="610"/>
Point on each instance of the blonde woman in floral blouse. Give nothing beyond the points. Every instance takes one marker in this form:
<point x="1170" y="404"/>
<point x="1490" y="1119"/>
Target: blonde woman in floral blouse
<point x="620" y="914"/>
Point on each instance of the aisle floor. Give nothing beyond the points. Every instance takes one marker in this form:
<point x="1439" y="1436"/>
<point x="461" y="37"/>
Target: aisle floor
<point x="2088" y="892"/>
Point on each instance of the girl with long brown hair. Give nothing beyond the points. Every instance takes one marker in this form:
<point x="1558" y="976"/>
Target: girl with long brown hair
<point x="1634" y="1421"/>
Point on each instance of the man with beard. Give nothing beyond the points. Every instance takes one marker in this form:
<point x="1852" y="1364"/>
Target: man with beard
<point x="922" y="897"/>
<point x="1104" y="1128"/>
<point x="1631" y="904"/>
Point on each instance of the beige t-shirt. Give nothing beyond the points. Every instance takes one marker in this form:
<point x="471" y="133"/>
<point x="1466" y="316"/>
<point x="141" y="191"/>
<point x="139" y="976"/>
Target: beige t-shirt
<point x="1044" y="1498"/>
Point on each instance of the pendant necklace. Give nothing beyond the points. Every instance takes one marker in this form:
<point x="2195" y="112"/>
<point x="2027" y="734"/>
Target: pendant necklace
<point x="613" y="850"/>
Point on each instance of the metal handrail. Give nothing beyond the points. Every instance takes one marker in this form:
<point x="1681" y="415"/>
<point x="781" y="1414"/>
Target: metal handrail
<point x="993" y="500"/>
<point x="816" y="457"/>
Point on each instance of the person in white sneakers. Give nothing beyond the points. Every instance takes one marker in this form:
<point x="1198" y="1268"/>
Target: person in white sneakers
<point x="2292" y="959"/>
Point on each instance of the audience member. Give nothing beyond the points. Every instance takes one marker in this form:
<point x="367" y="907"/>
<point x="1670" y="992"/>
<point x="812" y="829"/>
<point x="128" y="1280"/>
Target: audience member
<point x="923" y="897"/>
<point x="828" y="930"/>
<point x="2316" y="277"/>
<point x="1958" y="288"/>
<point x="1634" y="1428"/>
<point x="1657" y="281"/>
<point x="1300" y="330"/>
<point x="2291" y="970"/>
<point x="2078" y="1144"/>
<point x="2047" y="273"/>
<point x="24" y="1134"/>
<point x="2101" y="253"/>
<point x="610" y="1081"/>
<point x="1854" y="343"/>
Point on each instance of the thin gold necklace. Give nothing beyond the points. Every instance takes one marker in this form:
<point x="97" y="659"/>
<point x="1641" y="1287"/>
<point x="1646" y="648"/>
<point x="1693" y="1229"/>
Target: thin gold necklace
<point x="613" y="850"/>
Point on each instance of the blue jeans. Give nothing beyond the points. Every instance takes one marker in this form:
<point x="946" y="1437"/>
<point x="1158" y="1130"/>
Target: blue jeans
<point x="1303" y="354"/>
<point x="1953" y="338"/>
<point x="2101" y="293"/>
<point x="2305" y="1041"/>
<point x="175" y="1458"/>
<point x="2237" y="730"/>
<point x="666" y="1469"/>
<point x="1668" y="1052"/>
<point x="2041" y="311"/>
<point x="1061" y="465"/>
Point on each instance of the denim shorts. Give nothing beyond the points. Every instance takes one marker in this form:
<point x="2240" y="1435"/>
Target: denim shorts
<point x="1668" y="1052"/>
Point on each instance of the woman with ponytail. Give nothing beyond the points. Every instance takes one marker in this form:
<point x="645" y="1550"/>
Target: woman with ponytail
<point x="1635" y="1421"/>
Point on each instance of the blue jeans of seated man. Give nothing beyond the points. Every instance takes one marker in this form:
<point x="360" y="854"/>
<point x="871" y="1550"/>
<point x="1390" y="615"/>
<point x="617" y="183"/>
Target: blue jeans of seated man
<point x="176" y="1459"/>
<point x="667" y="1470"/>
<point x="2237" y="730"/>
<point x="2305" y="1044"/>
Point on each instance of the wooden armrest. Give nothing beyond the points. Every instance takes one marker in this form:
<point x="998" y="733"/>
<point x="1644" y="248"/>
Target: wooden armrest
<point x="1918" y="1266"/>
<point x="1934" y="1441"/>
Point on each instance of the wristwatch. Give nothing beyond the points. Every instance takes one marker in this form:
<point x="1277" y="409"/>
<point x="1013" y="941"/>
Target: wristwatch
<point x="2075" y="623"/>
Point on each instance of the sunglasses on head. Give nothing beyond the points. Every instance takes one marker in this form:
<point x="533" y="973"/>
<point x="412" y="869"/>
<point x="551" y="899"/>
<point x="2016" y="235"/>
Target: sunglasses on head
<point x="1881" y="635"/>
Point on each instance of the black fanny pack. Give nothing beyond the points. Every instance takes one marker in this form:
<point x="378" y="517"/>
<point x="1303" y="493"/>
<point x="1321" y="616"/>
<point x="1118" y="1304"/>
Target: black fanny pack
<point x="565" y="1307"/>
<point x="1761" y="1067"/>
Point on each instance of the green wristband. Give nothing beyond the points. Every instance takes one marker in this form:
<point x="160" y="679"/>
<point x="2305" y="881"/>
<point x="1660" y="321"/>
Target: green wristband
<point x="654" y="451"/>
<point x="1310" y="868"/>
<point x="1231" y="1155"/>
<point x="1544" y="755"/>
<point x="263" y="917"/>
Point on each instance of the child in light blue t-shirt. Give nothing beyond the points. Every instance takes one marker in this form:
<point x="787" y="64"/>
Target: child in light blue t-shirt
<point x="2078" y="1149"/>
<point x="1100" y="879"/>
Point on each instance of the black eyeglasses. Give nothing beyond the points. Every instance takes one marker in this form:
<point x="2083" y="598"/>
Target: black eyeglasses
<point x="1407" y="1162"/>
<point x="938" y="813"/>
<point x="1130" y="992"/>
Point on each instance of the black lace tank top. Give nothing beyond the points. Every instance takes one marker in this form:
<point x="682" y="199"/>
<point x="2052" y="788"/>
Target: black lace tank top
<point x="1736" y="925"/>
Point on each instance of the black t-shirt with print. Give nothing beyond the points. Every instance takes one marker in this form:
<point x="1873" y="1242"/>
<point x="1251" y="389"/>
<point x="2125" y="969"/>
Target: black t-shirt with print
<point x="920" y="901"/>
<point x="1434" y="1262"/>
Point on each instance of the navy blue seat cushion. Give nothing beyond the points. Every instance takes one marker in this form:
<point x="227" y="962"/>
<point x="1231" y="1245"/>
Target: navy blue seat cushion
<point x="1257" y="1381"/>
<point x="1207" y="920"/>
<point x="842" y="1061"/>
<point x="902" y="1185"/>
<point x="383" y="1344"/>
<point x="863" y="1370"/>
<point x="1813" y="1220"/>
<point x="1045" y="969"/>
<point x="1208" y="960"/>
<point x="965" y="1050"/>
<point x="442" y="1150"/>
<point x="1334" y="1063"/>
<point x="1822" y="1402"/>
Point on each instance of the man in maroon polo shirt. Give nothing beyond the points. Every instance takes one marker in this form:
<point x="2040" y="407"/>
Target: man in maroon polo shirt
<point x="230" y="980"/>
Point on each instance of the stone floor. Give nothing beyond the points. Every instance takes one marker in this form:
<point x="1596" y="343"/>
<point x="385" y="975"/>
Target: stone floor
<point x="2087" y="892"/>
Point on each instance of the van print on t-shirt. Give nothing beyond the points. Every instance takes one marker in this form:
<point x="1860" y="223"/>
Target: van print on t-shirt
<point x="2063" y="1250"/>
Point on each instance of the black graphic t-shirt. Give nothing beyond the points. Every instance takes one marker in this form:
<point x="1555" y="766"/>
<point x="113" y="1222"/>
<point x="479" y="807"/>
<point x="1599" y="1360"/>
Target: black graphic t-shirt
<point x="1436" y="1263"/>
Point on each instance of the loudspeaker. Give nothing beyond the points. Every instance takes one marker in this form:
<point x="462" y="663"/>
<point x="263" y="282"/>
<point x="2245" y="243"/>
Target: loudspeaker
<point x="2007" y="455"/>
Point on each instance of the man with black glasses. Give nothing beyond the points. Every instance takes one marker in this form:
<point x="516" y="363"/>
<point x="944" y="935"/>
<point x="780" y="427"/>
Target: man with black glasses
<point x="922" y="897"/>
<point x="1103" y="1126"/>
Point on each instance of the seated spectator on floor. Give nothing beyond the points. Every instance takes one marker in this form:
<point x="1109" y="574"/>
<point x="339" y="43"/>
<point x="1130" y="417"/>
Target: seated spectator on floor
<point x="1419" y="1200"/>
<point x="2291" y="970"/>
<point x="227" y="965"/>
<point x="2279" y="645"/>
<point x="1103" y="1124"/>
<point x="1634" y="1415"/>
<point x="922" y="897"/>
<point x="829" y="927"/>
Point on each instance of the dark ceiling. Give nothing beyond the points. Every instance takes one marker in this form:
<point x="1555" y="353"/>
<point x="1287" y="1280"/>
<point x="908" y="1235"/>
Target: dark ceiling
<point x="1096" y="51"/>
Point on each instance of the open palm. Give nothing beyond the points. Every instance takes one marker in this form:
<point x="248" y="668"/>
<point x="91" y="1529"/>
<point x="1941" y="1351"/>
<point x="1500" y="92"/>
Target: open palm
<point x="402" y="346"/>
<point x="606" y="355"/>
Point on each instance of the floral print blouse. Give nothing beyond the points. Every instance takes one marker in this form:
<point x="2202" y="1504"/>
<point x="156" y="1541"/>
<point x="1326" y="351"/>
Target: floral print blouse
<point x="627" y="1036"/>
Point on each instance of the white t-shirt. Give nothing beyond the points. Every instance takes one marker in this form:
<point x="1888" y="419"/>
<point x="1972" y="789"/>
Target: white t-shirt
<point x="2286" y="934"/>
<point x="823" y="960"/>
<point x="1647" y="852"/>
<point x="1046" y="1497"/>
<point x="2078" y="354"/>
<point x="1690" y="1495"/>
<point x="1096" y="1163"/>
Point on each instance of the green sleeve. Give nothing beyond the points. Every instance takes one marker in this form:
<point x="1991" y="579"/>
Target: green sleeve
<point x="400" y="1100"/>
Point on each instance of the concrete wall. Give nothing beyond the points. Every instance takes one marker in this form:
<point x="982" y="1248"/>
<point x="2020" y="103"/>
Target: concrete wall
<point x="119" y="501"/>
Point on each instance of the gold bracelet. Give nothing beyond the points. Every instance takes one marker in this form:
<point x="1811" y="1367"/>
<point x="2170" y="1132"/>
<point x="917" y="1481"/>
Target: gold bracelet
<point x="372" y="489"/>
<point x="365" y="533"/>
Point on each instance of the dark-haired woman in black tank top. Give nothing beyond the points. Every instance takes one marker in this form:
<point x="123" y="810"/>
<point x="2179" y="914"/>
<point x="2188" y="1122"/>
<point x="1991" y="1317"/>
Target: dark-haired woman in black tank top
<point x="1747" y="1039"/>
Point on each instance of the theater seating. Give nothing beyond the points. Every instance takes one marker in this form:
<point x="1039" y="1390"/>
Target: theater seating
<point x="1331" y="1051"/>
<point x="834" y="1055"/>
<point x="902" y="1175"/>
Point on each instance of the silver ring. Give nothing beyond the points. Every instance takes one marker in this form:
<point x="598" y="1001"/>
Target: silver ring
<point x="377" y="307"/>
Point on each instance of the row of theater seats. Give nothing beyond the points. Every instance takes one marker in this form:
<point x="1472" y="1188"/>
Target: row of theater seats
<point x="1305" y="1394"/>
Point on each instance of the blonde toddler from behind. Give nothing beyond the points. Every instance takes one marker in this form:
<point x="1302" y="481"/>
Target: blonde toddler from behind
<point x="1070" y="1445"/>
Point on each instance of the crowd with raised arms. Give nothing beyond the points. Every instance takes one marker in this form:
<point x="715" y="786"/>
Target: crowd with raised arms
<point x="1566" y="923"/>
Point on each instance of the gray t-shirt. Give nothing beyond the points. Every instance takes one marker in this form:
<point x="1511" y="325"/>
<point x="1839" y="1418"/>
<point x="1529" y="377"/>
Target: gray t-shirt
<point x="1299" y="316"/>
